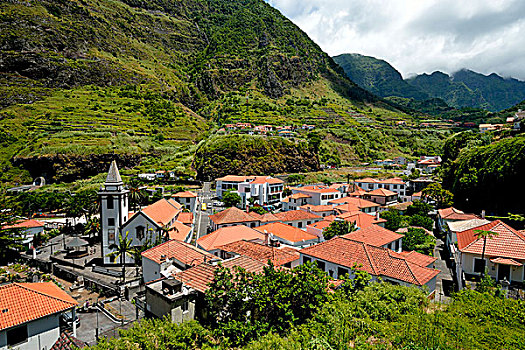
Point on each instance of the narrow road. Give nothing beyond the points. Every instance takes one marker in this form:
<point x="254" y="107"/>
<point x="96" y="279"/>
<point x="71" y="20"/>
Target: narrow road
<point x="204" y="196"/>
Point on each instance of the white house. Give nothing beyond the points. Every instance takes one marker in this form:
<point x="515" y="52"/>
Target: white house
<point x="318" y="195"/>
<point x="289" y="235"/>
<point x="261" y="190"/>
<point x="30" y="315"/>
<point x="298" y="218"/>
<point x="395" y="184"/>
<point x="187" y="199"/>
<point x="339" y="255"/>
<point x="28" y="229"/>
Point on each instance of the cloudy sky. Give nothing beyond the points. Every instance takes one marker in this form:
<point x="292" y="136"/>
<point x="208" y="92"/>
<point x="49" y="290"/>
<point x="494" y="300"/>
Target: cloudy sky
<point x="419" y="36"/>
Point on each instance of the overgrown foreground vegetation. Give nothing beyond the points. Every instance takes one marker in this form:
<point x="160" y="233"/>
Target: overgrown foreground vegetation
<point x="358" y="315"/>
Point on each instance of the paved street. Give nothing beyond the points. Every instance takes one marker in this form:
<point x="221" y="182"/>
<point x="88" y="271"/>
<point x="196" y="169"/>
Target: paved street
<point x="445" y="280"/>
<point x="202" y="220"/>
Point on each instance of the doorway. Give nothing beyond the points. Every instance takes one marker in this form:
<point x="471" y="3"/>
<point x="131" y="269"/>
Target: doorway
<point x="503" y="272"/>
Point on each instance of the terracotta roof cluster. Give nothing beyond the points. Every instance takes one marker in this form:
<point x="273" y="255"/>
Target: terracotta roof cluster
<point x="362" y="220"/>
<point x="24" y="302"/>
<point x="295" y="215"/>
<point x="261" y="252"/>
<point x="162" y="211"/>
<point x="374" y="235"/>
<point x="181" y="251"/>
<point x="358" y="202"/>
<point x="227" y="235"/>
<point x="232" y="215"/>
<point x="287" y="232"/>
<point x="455" y="214"/>
<point x="377" y="261"/>
<point x="382" y="192"/>
<point x="506" y="242"/>
<point x="317" y="208"/>
<point x="200" y="276"/>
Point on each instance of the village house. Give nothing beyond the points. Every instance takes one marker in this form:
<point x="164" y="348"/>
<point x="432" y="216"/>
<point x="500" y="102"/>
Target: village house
<point x="297" y="218"/>
<point x="381" y="196"/>
<point x="320" y="210"/>
<point x="340" y="254"/>
<point x="182" y="296"/>
<point x="262" y="190"/>
<point x="346" y="204"/>
<point x="28" y="230"/>
<point x="318" y="195"/>
<point x="289" y="235"/>
<point x="278" y="255"/>
<point x="233" y="217"/>
<point x="378" y="236"/>
<point x="212" y="241"/>
<point x="170" y="256"/>
<point x="395" y="184"/>
<point x="30" y="315"/>
<point x="447" y="215"/>
<point x="294" y="201"/>
<point x="187" y="199"/>
<point x="504" y="257"/>
<point x="463" y="225"/>
<point x="428" y="163"/>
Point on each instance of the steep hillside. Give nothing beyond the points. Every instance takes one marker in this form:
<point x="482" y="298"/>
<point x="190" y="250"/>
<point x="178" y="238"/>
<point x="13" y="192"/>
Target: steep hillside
<point x="151" y="78"/>
<point x="470" y="89"/>
<point x="247" y="155"/>
<point x="377" y="76"/>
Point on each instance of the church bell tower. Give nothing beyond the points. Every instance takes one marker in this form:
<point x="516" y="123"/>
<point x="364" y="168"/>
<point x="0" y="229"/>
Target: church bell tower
<point x="113" y="210"/>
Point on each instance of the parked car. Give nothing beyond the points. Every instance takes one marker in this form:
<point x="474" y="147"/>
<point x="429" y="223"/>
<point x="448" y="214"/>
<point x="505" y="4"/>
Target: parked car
<point x="66" y="320"/>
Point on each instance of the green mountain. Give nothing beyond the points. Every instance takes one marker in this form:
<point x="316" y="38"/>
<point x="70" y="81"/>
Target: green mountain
<point x="377" y="76"/>
<point x="466" y="88"/>
<point x="109" y="78"/>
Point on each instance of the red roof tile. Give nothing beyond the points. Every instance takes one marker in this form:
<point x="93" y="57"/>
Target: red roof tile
<point x="374" y="235"/>
<point x="455" y="214"/>
<point x="235" y="178"/>
<point x="508" y="243"/>
<point x="232" y="216"/>
<point x="294" y="215"/>
<point x="315" y="189"/>
<point x="381" y="192"/>
<point x="24" y="302"/>
<point x="377" y="261"/>
<point x="185" y="194"/>
<point x="26" y="224"/>
<point x="418" y="258"/>
<point x="505" y="261"/>
<point x="181" y="251"/>
<point x="186" y="218"/>
<point x="227" y="235"/>
<point x="287" y="232"/>
<point x="267" y="179"/>
<point x="358" y="202"/>
<point x="299" y="195"/>
<point x="362" y="220"/>
<point x="162" y="211"/>
<point x="261" y="252"/>
<point x="317" y="208"/>
<point x="179" y="231"/>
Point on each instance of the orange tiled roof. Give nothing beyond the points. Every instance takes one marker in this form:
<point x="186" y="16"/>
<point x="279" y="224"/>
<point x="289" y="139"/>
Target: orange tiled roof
<point x="382" y="192"/>
<point x="455" y="214"/>
<point x="377" y="261"/>
<point x="374" y="235"/>
<point x="261" y="252"/>
<point x="362" y="220"/>
<point x="227" y="235"/>
<point x="294" y="215"/>
<point x="267" y="179"/>
<point x="179" y="231"/>
<point x="368" y="180"/>
<point x="347" y="207"/>
<point x="316" y="189"/>
<point x="24" y="302"/>
<point x="200" y="276"/>
<point x="360" y="203"/>
<point x="26" y="224"/>
<point x="185" y="194"/>
<point x="235" y="178"/>
<point x="287" y="232"/>
<point x="299" y="195"/>
<point x="418" y="258"/>
<point x="232" y="216"/>
<point x="394" y="180"/>
<point x="186" y="218"/>
<point x="183" y="252"/>
<point x="162" y="211"/>
<point x="321" y="225"/>
<point x="505" y="261"/>
<point x="317" y="208"/>
<point x="507" y="244"/>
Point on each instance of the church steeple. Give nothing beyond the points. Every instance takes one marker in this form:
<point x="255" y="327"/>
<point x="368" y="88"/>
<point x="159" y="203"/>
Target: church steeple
<point x="113" y="177"/>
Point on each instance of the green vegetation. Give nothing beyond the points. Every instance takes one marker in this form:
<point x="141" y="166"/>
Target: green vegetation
<point x="417" y="239"/>
<point x="250" y="155"/>
<point x="482" y="177"/>
<point x="231" y="199"/>
<point x="443" y="198"/>
<point x="338" y="228"/>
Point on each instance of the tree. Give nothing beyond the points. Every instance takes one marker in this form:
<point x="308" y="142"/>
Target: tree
<point x="444" y="198"/>
<point x="10" y="237"/>
<point x="258" y="210"/>
<point x="421" y="221"/>
<point x="338" y="228"/>
<point x="418" y="208"/>
<point x="393" y="219"/>
<point x="484" y="234"/>
<point x="121" y="250"/>
<point x="231" y="199"/>
<point x="417" y="239"/>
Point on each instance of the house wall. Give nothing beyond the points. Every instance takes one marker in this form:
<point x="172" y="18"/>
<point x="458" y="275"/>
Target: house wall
<point x="467" y="264"/>
<point x="187" y="202"/>
<point x="251" y="224"/>
<point x="151" y="231"/>
<point x="150" y="270"/>
<point x="42" y="333"/>
<point x="297" y="244"/>
<point x="302" y="224"/>
<point x="159" y="306"/>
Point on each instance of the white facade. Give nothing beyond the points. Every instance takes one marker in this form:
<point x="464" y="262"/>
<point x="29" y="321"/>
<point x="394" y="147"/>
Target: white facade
<point x="263" y="190"/>
<point x="41" y="334"/>
<point x="114" y="210"/>
<point x="321" y="196"/>
<point x="496" y="271"/>
<point x="398" y="187"/>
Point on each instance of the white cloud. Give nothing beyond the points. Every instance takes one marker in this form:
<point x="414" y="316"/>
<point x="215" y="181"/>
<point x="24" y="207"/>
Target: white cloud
<point x="419" y="36"/>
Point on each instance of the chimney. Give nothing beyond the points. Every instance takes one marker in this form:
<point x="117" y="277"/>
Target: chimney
<point x="377" y="215"/>
<point x="483" y="214"/>
<point x="266" y="241"/>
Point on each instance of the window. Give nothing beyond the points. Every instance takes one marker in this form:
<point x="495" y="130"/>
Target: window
<point x="320" y="264"/>
<point x="479" y="265"/>
<point x="300" y="224"/>
<point x="111" y="222"/>
<point x="185" y="306"/>
<point x="139" y="232"/>
<point x="341" y="272"/>
<point x="16" y="335"/>
<point x="331" y="273"/>
<point x="110" y="202"/>
<point x="306" y="259"/>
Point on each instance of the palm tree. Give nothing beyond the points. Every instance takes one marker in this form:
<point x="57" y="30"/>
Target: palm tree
<point x="120" y="250"/>
<point x="484" y="234"/>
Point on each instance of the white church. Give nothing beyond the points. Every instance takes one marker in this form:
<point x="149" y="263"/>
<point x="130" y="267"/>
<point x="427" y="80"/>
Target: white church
<point x="155" y="223"/>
